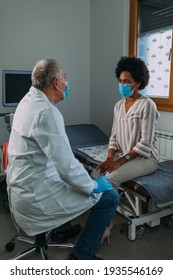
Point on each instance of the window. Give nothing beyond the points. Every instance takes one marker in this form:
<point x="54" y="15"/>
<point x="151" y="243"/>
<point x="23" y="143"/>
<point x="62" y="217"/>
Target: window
<point x="151" y="29"/>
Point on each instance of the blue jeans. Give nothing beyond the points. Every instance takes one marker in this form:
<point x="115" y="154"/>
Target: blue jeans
<point x="99" y="219"/>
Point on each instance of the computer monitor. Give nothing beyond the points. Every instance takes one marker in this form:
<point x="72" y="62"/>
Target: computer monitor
<point x="15" y="84"/>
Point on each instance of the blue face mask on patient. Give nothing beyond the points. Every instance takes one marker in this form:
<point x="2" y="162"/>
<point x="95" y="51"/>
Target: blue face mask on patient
<point x="125" y="90"/>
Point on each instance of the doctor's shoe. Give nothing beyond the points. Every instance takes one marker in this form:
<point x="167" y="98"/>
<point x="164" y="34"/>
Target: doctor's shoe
<point x="62" y="237"/>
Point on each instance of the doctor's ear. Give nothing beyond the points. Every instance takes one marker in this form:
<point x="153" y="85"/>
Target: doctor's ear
<point x="55" y="82"/>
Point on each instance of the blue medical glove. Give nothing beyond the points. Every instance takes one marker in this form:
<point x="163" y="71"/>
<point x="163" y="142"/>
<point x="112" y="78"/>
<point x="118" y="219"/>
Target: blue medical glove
<point x="103" y="184"/>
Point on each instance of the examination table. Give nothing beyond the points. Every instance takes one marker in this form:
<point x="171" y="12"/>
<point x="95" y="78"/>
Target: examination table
<point x="143" y="201"/>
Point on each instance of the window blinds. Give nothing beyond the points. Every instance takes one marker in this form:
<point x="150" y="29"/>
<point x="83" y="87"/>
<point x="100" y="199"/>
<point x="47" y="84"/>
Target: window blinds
<point x="154" y="14"/>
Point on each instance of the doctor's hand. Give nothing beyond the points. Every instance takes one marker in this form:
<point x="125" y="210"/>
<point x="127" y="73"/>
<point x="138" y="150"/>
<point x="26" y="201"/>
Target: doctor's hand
<point x="103" y="184"/>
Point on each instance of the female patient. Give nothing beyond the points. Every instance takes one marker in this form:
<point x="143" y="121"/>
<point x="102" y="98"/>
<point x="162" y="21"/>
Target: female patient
<point x="132" y="151"/>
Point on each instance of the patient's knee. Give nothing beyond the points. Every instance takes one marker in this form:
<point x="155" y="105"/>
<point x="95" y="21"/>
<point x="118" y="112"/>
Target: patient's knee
<point x="114" y="179"/>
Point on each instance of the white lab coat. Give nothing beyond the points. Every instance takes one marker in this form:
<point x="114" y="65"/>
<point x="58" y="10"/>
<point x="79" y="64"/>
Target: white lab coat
<point x="47" y="185"/>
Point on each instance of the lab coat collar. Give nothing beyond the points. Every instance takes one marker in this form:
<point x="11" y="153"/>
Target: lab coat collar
<point x="38" y="93"/>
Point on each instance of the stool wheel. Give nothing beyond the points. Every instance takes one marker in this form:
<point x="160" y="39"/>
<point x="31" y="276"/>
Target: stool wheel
<point x="10" y="246"/>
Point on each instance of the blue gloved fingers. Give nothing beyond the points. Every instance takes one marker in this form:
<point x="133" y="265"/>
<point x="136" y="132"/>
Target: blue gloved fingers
<point x="103" y="184"/>
<point x="103" y="180"/>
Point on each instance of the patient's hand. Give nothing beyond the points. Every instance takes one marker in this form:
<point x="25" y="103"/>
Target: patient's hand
<point x="103" y="166"/>
<point x="109" y="165"/>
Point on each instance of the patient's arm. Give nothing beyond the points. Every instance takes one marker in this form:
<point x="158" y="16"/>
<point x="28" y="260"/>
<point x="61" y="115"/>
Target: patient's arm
<point x="111" y="153"/>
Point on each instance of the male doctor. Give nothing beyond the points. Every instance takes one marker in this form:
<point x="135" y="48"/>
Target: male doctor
<point x="47" y="185"/>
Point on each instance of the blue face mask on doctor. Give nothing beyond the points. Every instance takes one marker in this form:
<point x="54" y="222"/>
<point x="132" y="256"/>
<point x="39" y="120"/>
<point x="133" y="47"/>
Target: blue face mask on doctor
<point x="125" y="89"/>
<point x="66" y="91"/>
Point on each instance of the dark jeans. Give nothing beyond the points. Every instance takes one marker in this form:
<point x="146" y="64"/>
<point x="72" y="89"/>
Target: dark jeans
<point x="99" y="219"/>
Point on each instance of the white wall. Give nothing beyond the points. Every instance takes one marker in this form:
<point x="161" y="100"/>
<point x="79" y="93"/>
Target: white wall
<point x="87" y="36"/>
<point x="109" y="41"/>
<point x="34" y="29"/>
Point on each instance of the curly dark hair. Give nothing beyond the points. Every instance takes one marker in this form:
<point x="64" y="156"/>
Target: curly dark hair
<point x="137" y="69"/>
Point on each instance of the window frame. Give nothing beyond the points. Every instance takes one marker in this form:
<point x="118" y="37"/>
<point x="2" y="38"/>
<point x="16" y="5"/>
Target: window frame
<point x="163" y="104"/>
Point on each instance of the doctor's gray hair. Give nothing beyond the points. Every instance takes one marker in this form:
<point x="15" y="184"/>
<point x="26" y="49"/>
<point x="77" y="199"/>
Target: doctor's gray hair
<point x="44" y="71"/>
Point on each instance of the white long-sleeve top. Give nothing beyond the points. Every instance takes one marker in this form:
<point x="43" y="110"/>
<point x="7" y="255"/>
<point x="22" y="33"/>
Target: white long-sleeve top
<point x="135" y="129"/>
<point x="47" y="185"/>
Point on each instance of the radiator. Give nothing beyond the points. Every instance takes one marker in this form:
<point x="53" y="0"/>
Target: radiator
<point x="165" y="143"/>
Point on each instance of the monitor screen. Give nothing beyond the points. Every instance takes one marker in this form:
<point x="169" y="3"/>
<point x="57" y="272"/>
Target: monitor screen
<point x="15" y="84"/>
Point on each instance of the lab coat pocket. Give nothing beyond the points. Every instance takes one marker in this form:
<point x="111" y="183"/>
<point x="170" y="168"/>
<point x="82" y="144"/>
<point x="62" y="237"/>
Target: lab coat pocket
<point x="50" y="206"/>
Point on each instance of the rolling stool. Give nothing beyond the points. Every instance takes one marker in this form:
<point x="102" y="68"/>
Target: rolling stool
<point x="40" y="245"/>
